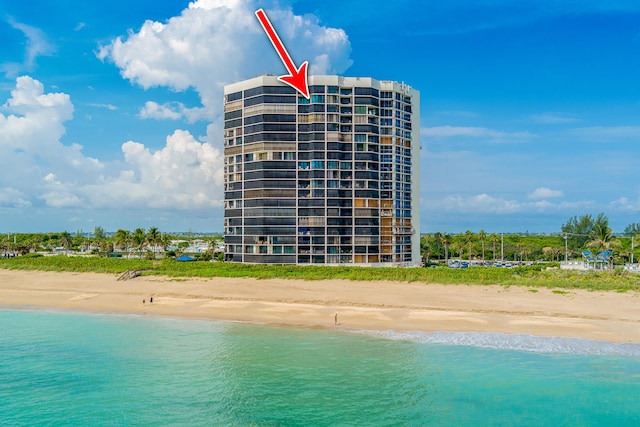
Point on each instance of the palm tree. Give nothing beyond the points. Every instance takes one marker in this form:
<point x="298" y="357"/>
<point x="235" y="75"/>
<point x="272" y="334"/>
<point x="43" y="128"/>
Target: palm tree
<point x="446" y="241"/>
<point x="468" y="237"/>
<point x="139" y="238"/>
<point x="66" y="241"/>
<point x="520" y="247"/>
<point x="425" y="247"/>
<point x="438" y="237"/>
<point x="165" y="241"/>
<point x="122" y="239"/>
<point x="458" y="245"/>
<point x="35" y="243"/>
<point x="154" y="238"/>
<point x="482" y="236"/>
<point x="493" y="238"/>
<point x="603" y="241"/>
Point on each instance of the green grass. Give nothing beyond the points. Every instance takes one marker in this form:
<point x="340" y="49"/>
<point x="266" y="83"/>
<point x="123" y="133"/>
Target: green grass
<point x="530" y="277"/>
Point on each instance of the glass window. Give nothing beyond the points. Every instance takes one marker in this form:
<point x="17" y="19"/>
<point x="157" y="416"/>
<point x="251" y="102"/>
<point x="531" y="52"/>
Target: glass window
<point x="234" y="96"/>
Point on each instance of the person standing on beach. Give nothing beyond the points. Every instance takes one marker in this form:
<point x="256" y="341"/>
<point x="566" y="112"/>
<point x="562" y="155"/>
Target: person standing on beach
<point x="335" y="320"/>
<point x="151" y="300"/>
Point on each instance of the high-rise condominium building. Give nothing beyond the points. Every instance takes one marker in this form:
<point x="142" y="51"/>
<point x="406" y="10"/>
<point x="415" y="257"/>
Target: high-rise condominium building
<point x="329" y="180"/>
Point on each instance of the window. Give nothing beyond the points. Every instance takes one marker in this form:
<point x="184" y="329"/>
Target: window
<point x="269" y="99"/>
<point x="317" y="98"/>
<point x="360" y="109"/>
<point x="234" y="96"/>
<point x="277" y="90"/>
<point x="366" y="91"/>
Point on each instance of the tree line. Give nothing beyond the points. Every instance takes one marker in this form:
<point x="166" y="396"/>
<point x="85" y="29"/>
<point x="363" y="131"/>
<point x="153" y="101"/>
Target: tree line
<point x="578" y="234"/>
<point x="123" y="241"/>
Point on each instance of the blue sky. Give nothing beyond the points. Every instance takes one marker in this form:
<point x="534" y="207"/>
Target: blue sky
<point x="111" y="115"/>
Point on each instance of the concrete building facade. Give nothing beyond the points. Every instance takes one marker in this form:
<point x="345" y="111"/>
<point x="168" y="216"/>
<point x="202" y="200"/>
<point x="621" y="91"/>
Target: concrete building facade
<point x="333" y="179"/>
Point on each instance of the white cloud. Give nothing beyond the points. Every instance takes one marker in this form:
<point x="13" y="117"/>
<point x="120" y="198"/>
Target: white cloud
<point x="37" y="45"/>
<point x="545" y="193"/>
<point x="481" y="203"/>
<point x="604" y="134"/>
<point x="10" y="197"/>
<point x="488" y="204"/>
<point x="37" y="168"/>
<point x="213" y="43"/>
<point x="171" y="111"/>
<point x="624" y="204"/>
<point x="490" y="135"/>
<point x="109" y="107"/>
<point x="182" y="175"/>
<point x="554" y="118"/>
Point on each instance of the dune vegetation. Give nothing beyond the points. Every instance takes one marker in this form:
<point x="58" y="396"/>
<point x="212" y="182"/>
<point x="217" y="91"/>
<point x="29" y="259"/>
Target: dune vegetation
<point x="537" y="275"/>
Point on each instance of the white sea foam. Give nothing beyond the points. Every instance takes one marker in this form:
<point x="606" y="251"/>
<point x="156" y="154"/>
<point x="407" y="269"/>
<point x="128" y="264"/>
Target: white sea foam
<point x="528" y="343"/>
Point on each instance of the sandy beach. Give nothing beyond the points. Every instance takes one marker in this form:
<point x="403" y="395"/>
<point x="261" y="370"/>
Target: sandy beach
<point x="604" y="316"/>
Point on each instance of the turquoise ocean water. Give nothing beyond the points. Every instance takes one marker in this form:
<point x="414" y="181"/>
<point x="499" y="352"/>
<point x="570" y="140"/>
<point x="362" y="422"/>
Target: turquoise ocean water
<point x="68" y="368"/>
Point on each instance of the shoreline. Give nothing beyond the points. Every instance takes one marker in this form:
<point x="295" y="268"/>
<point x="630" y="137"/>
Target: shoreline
<point x="374" y="306"/>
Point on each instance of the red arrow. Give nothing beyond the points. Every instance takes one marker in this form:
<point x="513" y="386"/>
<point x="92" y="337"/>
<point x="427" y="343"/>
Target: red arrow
<point x="297" y="77"/>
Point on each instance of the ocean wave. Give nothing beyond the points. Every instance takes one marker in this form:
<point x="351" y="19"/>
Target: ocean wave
<point x="526" y="343"/>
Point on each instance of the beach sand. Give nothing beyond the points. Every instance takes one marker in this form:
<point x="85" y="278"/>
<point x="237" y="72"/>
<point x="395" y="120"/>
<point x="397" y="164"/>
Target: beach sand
<point x="604" y="316"/>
